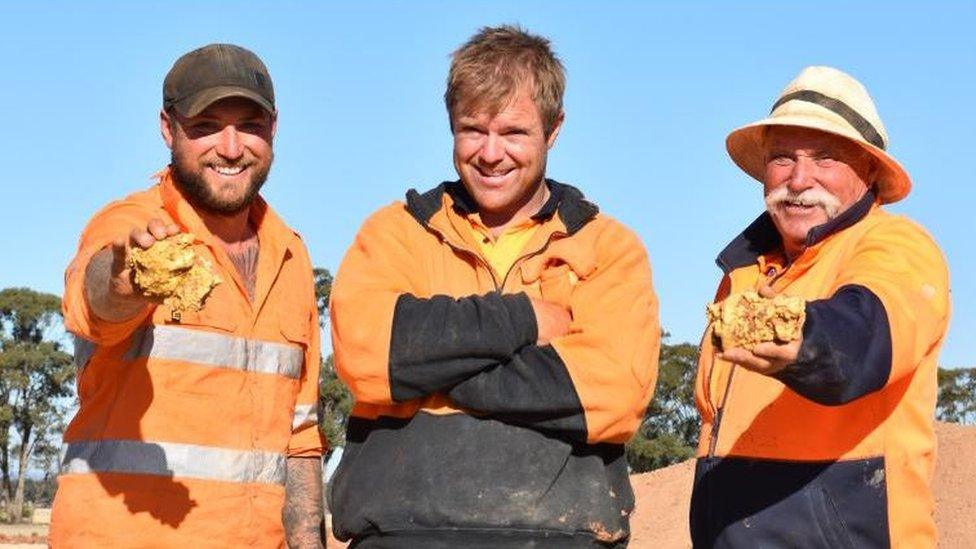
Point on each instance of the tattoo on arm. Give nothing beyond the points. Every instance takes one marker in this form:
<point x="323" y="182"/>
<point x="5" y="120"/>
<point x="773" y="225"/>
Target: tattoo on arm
<point x="98" y="291"/>
<point x="302" y="515"/>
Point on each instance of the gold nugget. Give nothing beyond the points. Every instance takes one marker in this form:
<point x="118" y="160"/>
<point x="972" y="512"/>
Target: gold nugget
<point x="171" y="271"/>
<point x="746" y="319"/>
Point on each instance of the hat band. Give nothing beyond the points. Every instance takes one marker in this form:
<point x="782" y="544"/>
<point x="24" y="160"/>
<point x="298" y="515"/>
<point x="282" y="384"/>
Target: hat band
<point x="863" y="127"/>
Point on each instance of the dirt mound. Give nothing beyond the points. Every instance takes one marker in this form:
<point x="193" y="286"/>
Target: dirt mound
<point x="955" y="485"/>
<point x="660" y="520"/>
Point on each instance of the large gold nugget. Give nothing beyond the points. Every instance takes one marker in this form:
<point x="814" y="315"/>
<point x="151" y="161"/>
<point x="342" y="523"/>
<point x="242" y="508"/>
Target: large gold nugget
<point x="746" y="319"/>
<point x="171" y="271"/>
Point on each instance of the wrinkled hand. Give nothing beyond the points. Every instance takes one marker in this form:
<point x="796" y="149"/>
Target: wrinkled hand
<point x="111" y="293"/>
<point x="765" y="358"/>
<point x="552" y="320"/>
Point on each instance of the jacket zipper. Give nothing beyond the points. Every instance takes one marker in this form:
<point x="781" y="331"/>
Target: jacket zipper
<point x="482" y="261"/>
<point x="522" y="258"/>
<point x="717" y="423"/>
<point x="718" y="411"/>
<point x="491" y="270"/>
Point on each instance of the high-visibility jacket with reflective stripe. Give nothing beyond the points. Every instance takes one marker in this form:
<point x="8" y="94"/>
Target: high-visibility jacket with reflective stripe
<point x="185" y="426"/>
<point x="837" y="449"/>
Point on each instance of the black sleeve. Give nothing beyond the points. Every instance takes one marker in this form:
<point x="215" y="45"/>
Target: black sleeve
<point x="439" y="341"/>
<point x="846" y="349"/>
<point x="533" y="389"/>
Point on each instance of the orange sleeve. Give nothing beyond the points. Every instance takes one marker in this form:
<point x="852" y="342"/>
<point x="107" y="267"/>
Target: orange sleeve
<point x="900" y="263"/>
<point x="376" y="270"/>
<point x="612" y="351"/>
<point x="307" y="439"/>
<point x="114" y="221"/>
<point x="592" y="385"/>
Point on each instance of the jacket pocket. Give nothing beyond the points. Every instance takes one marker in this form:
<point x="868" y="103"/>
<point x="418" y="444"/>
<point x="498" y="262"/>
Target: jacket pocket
<point x="294" y="323"/>
<point x="744" y="502"/>
<point x="831" y="524"/>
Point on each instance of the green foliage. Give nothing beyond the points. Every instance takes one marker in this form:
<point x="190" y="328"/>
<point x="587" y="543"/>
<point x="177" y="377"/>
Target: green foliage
<point x="40" y="492"/>
<point x="323" y="290"/>
<point x="28" y="313"/>
<point x="645" y="454"/>
<point x="957" y="395"/>
<point x="336" y="403"/>
<point x="669" y="432"/>
<point x="334" y="398"/>
<point x="36" y="378"/>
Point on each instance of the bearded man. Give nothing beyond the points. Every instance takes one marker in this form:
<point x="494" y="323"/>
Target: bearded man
<point x="196" y="428"/>
<point x="827" y="440"/>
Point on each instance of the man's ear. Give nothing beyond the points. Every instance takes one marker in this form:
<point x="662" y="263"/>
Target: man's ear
<point x="554" y="133"/>
<point x="274" y="123"/>
<point x="166" y="127"/>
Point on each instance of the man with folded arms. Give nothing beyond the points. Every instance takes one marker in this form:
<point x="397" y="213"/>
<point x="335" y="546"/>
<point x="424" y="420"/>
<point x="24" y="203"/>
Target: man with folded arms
<point x="499" y="334"/>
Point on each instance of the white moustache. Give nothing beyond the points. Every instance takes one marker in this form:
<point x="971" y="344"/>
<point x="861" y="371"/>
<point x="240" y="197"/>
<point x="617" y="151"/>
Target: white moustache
<point x="820" y="198"/>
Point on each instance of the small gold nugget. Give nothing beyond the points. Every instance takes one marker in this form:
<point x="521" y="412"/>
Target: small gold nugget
<point x="170" y="270"/>
<point x="746" y="319"/>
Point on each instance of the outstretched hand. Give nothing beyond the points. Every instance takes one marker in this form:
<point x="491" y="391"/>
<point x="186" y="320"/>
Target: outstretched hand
<point x="111" y="293"/>
<point x="766" y="358"/>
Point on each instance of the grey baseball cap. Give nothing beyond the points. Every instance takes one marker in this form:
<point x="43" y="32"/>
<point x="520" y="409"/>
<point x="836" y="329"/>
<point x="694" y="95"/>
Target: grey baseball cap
<point x="216" y="72"/>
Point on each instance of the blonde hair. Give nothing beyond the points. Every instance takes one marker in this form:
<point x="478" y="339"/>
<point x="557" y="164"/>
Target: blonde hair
<point x="496" y="64"/>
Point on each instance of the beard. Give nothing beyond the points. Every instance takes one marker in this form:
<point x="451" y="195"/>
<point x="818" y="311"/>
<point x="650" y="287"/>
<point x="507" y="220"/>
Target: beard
<point x="189" y="178"/>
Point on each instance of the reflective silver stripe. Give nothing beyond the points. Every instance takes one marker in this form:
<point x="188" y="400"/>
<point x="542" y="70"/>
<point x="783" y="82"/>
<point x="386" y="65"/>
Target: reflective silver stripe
<point x="305" y="415"/>
<point x="84" y="350"/>
<point x="222" y="351"/>
<point x="173" y="460"/>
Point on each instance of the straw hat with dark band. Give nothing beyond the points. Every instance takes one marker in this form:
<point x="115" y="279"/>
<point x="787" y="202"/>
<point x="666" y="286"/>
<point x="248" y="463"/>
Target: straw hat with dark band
<point x="825" y="99"/>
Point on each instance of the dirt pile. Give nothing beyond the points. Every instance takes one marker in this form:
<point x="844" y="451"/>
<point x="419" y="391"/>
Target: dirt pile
<point x="661" y="518"/>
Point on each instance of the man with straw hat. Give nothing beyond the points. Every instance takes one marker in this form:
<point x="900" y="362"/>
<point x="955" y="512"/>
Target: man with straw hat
<point x="827" y="440"/>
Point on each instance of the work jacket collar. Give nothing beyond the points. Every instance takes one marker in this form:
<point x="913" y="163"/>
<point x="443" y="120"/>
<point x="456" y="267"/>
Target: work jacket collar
<point x="761" y="236"/>
<point x="565" y="202"/>
<point x="274" y="237"/>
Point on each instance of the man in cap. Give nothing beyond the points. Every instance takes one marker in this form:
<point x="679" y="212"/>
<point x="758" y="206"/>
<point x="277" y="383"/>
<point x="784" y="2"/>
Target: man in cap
<point x="196" y="428"/>
<point x="825" y="441"/>
<point x="499" y="334"/>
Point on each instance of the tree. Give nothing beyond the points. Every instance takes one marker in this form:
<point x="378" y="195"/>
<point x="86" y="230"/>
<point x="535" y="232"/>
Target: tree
<point x="36" y="376"/>
<point x="334" y="398"/>
<point x="323" y="291"/>
<point x="957" y="395"/>
<point x="336" y="403"/>
<point x="669" y="431"/>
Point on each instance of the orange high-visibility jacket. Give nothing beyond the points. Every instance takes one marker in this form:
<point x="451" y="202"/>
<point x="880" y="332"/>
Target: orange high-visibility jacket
<point x="836" y="450"/>
<point x="184" y="427"/>
<point x="465" y="431"/>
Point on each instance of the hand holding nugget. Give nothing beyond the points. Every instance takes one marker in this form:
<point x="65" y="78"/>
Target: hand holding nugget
<point x="109" y="287"/>
<point x="171" y="271"/>
<point x="759" y="331"/>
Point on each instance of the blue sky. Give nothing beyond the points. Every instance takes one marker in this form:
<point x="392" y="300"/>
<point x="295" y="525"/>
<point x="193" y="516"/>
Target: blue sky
<point x="652" y="92"/>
